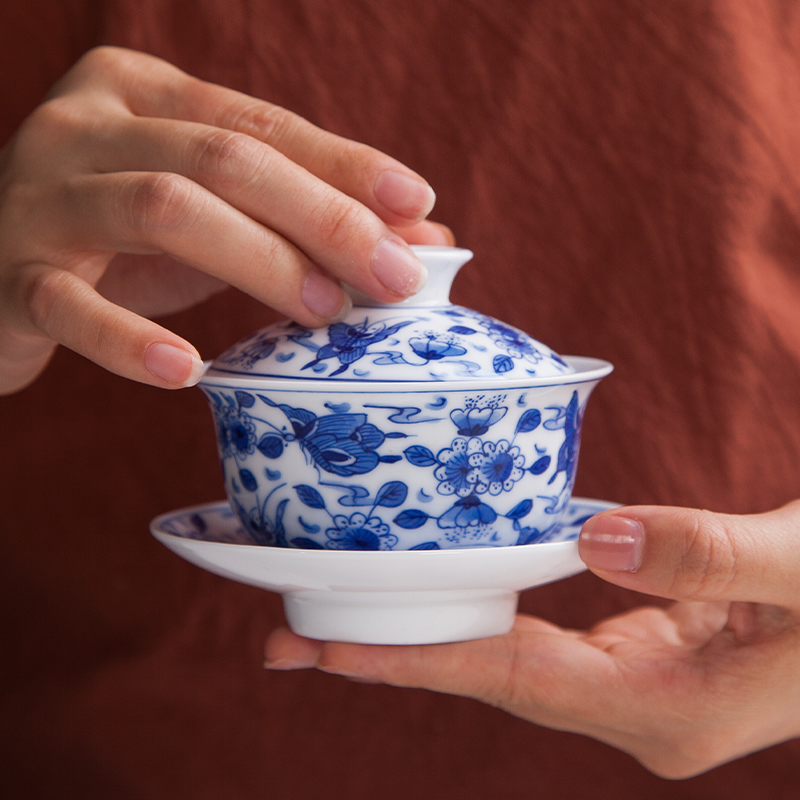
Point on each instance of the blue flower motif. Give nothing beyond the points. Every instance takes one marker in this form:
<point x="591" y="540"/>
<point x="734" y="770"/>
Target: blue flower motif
<point x="236" y="433"/>
<point x="459" y="466"/>
<point x="513" y="341"/>
<point x="343" y="444"/>
<point x="466" y="513"/>
<point x="476" y="419"/>
<point x="502" y="467"/>
<point x="223" y="440"/>
<point x="358" y="532"/>
<point x="241" y="432"/>
<point x="349" y="343"/>
<point x="433" y="346"/>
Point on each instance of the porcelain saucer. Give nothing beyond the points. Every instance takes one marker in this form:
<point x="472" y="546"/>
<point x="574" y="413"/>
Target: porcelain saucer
<point x="380" y="597"/>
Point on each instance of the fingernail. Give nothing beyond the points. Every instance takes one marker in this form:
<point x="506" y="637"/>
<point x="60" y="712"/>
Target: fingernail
<point x="351" y="676"/>
<point x="448" y="237"/>
<point x="288" y="664"/>
<point x="324" y="297"/>
<point x="613" y="543"/>
<point x="398" y="269"/>
<point x="404" y="194"/>
<point x="173" y="364"/>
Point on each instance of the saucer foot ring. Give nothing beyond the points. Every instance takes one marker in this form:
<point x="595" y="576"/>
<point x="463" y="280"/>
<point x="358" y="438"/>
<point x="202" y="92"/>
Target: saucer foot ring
<point x="401" y="617"/>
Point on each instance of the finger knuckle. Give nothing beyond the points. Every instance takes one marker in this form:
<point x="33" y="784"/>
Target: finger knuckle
<point x="161" y="201"/>
<point x="264" y="121"/>
<point x="226" y="156"/>
<point x="102" y="57"/>
<point x="709" y="562"/>
<point x="351" y="158"/>
<point x="94" y="68"/>
<point x="56" y="120"/>
<point x="70" y="109"/>
<point x="338" y="221"/>
<point x="43" y="294"/>
<point x="114" y="62"/>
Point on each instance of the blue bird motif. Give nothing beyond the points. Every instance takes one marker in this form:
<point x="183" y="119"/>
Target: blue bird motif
<point x="348" y="343"/>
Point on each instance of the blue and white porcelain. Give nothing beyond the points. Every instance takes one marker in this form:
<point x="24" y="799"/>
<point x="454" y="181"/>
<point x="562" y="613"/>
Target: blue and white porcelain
<point x="421" y="339"/>
<point x="380" y="597"/>
<point x="414" y="426"/>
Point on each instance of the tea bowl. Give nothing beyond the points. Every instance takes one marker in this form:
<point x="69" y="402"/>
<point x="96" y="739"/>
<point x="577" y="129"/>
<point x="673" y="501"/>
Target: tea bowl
<point x="413" y="426"/>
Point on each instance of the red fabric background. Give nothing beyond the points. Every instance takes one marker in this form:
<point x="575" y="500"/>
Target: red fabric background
<point x="626" y="173"/>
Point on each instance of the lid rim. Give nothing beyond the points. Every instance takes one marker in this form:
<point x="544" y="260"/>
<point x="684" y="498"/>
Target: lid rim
<point x="587" y="369"/>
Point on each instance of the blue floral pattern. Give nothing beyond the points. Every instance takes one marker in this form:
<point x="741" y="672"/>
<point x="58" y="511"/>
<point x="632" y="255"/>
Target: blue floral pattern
<point x="359" y="532"/>
<point x="326" y="475"/>
<point x="217" y="523"/>
<point x="417" y="425"/>
<point x="389" y="344"/>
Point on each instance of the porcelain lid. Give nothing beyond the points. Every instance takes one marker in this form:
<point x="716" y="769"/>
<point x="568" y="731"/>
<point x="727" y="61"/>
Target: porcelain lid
<point x="423" y="338"/>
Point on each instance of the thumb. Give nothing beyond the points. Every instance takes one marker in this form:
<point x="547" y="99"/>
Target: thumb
<point x="688" y="554"/>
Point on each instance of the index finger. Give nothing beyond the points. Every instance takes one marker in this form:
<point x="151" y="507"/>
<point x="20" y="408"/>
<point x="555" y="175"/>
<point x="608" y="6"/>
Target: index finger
<point x="154" y="88"/>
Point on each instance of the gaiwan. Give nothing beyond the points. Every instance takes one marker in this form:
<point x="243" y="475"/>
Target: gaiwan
<point x="418" y="425"/>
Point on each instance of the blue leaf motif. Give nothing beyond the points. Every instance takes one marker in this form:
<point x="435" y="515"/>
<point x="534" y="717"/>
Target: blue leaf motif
<point x="502" y="364"/>
<point x="245" y="399"/>
<point x="522" y="509"/>
<point x="529" y="421"/>
<point x="426" y="546"/>
<point x="563" y="459"/>
<point x="391" y="494"/>
<point x="390" y="459"/>
<point x="410" y="519"/>
<point x="248" y="480"/>
<point x="271" y="446"/>
<point x="308" y="527"/>
<point x="280" y="533"/>
<point x="540" y="465"/>
<point x="463" y="330"/>
<point x="420" y="456"/>
<point x="309" y="496"/>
